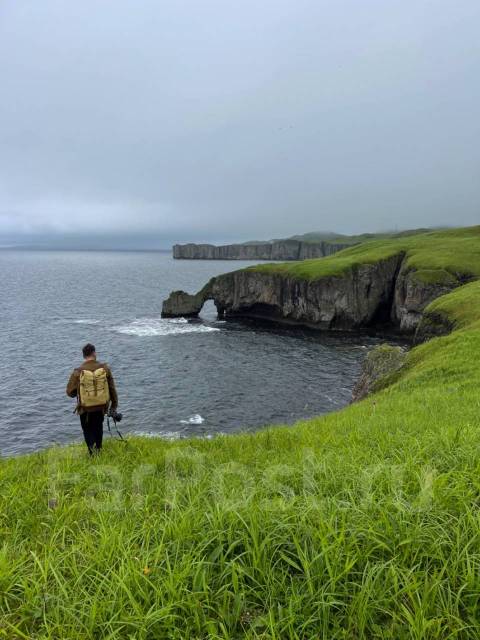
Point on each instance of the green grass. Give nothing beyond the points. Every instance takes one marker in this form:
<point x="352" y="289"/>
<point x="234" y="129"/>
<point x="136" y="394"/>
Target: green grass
<point x="461" y="306"/>
<point x="363" y="237"/>
<point x="434" y="276"/>
<point x="357" y="525"/>
<point x="338" y="238"/>
<point x="456" y="251"/>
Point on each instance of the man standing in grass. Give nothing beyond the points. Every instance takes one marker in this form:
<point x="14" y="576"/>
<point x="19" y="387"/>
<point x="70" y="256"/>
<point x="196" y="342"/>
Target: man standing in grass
<point x="93" y="385"/>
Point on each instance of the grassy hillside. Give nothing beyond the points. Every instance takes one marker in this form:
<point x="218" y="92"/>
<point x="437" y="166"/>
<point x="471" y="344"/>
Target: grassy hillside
<point x="363" y="237"/>
<point x="360" y="524"/>
<point x="456" y="251"/>
<point x="328" y="236"/>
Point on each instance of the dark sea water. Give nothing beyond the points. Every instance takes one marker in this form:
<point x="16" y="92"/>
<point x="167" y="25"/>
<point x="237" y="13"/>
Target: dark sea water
<point x="175" y="378"/>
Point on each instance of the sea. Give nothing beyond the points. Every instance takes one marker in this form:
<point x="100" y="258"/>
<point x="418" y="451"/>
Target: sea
<point x="176" y="378"/>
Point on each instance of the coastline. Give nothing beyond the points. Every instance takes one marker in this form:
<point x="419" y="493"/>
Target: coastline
<point x="373" y="507"/>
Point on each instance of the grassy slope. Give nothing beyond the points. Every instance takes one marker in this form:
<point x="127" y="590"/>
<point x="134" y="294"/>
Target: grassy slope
<point x="360" y="524"/>
<point x="363" y="237"/>
<point x="456" y="251"/>
<point x="326" y="236"/>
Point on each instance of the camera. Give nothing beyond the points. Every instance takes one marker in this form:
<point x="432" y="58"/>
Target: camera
<point x="114" y="415"/>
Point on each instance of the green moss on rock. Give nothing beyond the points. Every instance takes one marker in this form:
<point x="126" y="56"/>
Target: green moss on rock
<point x="378" y="367"/>
<point x="435" y="276"/>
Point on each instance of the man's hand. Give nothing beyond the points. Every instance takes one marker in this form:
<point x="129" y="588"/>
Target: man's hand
<point x="72" y="385"/>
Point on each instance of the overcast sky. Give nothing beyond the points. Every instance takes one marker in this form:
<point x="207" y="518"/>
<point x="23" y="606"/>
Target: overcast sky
<point x="161" y="121"/>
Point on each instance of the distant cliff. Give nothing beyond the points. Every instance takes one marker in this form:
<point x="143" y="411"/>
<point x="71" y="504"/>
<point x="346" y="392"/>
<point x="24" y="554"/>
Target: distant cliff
<point x="276" y="250"/>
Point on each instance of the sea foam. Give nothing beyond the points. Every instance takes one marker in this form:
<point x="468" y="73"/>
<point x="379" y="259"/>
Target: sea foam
<point x="86" y="321"/>
<point x="195" y="419"/>
<point x="145" y="327"/>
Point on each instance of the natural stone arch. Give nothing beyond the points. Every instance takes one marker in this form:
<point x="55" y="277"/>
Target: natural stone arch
<point x="183" y="304"/>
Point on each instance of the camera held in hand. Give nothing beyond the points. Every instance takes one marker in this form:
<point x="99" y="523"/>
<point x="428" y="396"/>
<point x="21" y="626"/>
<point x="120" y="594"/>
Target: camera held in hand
<point x="115" y="415"/>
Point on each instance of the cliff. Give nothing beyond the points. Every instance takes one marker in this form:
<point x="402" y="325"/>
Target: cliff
<point x="361" y="298"/>
<point x="277" y="250"/>
<point x="302" y="247"/>
<point x="384" y="292"/>
<point x="389" y="283"/>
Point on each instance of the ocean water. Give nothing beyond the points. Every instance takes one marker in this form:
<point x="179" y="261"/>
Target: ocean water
<point x="175" y="378"/>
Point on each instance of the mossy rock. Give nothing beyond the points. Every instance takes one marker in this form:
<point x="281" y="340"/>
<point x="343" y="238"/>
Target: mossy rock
<point x="435" y="276"/>
<point x="379" y="364"/>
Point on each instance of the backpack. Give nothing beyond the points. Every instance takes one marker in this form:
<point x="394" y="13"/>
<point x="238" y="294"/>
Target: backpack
<point x="94" y="390"/>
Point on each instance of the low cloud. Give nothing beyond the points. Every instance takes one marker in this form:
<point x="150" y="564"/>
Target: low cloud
<point x="221" y="121"/>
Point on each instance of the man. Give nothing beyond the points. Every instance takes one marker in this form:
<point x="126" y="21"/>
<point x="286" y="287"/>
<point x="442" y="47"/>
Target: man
<point x="93" y="386"/>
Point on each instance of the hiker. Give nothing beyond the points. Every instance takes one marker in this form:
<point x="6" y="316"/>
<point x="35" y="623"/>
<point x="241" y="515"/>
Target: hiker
<point x="93" y="385"/>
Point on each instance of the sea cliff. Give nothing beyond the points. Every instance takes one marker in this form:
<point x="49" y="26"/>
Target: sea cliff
<point x="379" y="283"/>
<point x="277" y="250"/>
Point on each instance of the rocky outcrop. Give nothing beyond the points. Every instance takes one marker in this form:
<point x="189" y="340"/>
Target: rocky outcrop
<point x="277" y="250"/>
<point x="182" y="304"/>
<point x="361" y="297"/>
<point x="433" y="325"/>
<point x="379" y="364"/>
<point x="366" y="295"/>
<point x="414" y="291"/>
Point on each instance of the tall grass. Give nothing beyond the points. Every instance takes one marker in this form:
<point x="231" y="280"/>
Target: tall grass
<point x="361" y="524"/>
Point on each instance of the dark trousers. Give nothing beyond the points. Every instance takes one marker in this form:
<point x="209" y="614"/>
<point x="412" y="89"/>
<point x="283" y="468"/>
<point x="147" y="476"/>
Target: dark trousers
<point x="92" y="426"/>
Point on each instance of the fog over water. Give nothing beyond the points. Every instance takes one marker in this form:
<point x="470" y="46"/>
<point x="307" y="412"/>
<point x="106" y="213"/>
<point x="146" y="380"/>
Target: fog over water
<point x="126" y="123"/>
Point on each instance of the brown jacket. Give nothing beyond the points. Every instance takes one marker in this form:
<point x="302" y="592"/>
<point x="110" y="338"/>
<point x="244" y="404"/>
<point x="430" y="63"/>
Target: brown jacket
<point x="74" y="384"/>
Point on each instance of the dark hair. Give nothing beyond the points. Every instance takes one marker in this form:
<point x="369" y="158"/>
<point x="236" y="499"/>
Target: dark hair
<point x="88" y="350"/>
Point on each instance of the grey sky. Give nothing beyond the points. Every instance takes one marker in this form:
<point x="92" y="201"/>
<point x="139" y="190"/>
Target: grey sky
<point x="227" y="120"/>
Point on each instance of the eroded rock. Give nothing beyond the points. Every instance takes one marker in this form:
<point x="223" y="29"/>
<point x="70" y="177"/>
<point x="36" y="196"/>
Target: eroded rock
<point x="432" y="325"/>
<point x="359" y="298"/>
<point x="367" y="295"/>
<point x="182" y="304"/>
<point x="414" y="291"/>
<point x="380" y="362"/>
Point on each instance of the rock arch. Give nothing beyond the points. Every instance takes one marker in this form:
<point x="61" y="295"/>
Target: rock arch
<point x="186" y="305"/>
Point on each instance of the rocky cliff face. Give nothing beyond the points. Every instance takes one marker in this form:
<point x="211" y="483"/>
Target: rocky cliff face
<point x="432" y="325"/>
<point x="361" y="298"/>
<point x="365" y="296"/>
<point x="414" y="291"/>
<point x="279" y="250"/>
<point x="380" y="363"/>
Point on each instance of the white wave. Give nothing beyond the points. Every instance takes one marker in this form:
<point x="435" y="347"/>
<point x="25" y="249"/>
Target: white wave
<point x="86" y="321"/>
<point x="145" y="327"/>
<point x="195" y="419"/>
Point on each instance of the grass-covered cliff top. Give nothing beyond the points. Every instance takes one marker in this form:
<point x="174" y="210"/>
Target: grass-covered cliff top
<point x="434" y="255"/>
<point x="339" y="238"/>
<point x="315" y="237"/>
<point x="359" y="524"/>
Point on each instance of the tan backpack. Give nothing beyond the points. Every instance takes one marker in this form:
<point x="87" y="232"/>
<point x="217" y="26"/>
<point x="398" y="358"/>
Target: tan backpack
<point x="94" y="390"/>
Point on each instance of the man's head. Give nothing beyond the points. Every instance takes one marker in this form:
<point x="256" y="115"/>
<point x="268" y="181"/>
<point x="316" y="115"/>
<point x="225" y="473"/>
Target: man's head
<point x="89" y="352"/>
